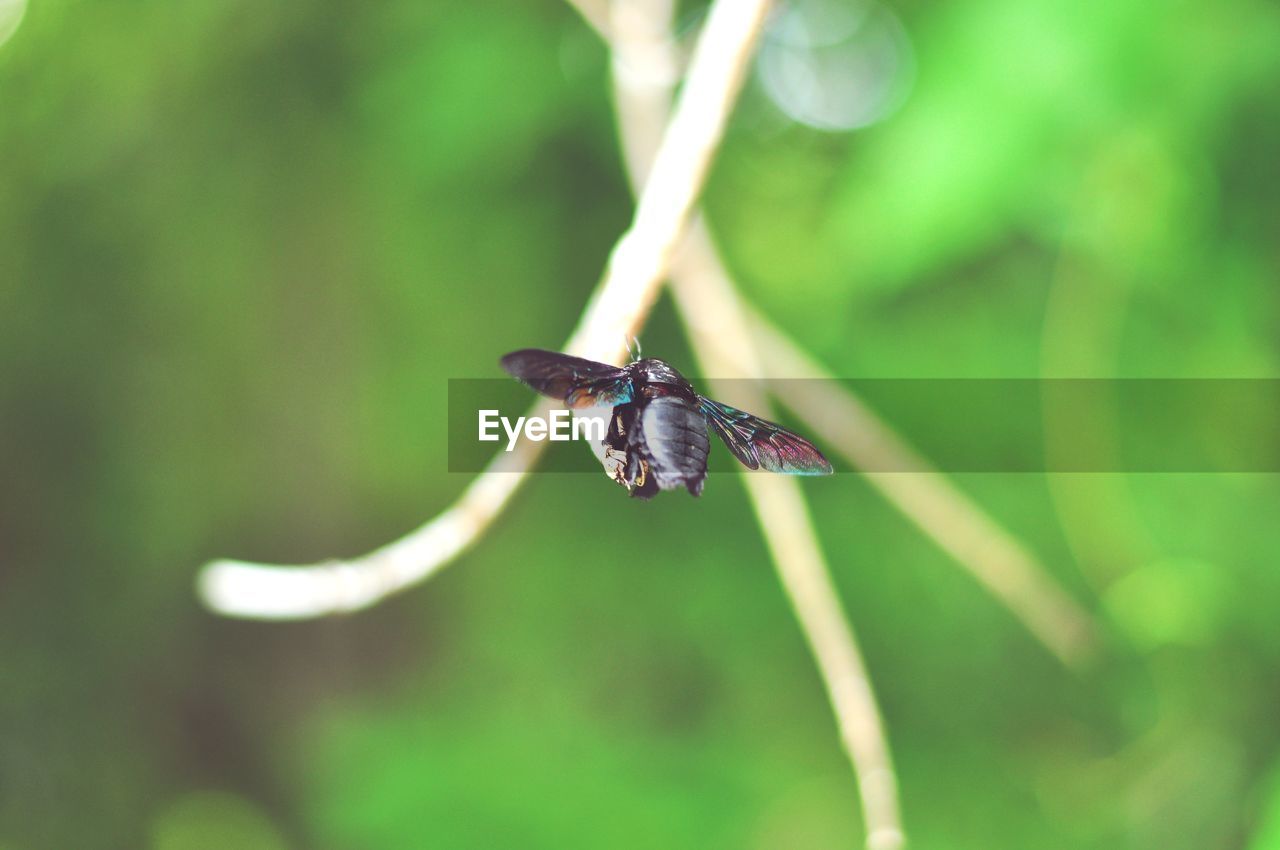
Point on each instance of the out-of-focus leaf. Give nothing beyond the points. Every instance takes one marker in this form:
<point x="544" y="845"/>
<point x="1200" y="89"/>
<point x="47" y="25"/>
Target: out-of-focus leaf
<point x="213" y="821"/>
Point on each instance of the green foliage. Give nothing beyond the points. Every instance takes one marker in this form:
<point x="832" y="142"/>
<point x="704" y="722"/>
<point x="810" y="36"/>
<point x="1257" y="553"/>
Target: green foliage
<point x="208" y="821"/>
<point x="244" y="246"/>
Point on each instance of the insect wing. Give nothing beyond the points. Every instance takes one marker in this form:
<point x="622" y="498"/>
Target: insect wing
<point x="573" y="380"/>
<point x="760" y="444"/>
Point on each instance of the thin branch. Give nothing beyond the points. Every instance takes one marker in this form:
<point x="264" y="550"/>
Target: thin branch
<point x="641" y="259"/>
<point x="646" y="68"/>
<point x="616" y="311"/>
<point x="712" y="311"/>
<point x="595" y="13"/>
<point x="709" y="307"/>
<point x="270" y="592"/>
<point x="928" y="498"/>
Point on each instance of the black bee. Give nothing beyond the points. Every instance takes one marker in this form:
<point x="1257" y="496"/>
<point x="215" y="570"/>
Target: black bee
<point x="657" y="433"/>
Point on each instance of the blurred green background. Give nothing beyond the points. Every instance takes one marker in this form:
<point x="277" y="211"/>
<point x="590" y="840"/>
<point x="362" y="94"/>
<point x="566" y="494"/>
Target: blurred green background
<point x="243" y="246"/>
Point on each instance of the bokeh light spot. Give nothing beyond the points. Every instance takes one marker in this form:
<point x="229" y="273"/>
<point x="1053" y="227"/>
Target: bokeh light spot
<point x="836" y="65"/>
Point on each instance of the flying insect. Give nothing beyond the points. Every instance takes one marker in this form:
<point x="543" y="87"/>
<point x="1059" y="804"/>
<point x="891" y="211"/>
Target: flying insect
<point x="657" y="432"/>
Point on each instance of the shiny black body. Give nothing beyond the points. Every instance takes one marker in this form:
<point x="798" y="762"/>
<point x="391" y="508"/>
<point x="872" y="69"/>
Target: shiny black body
<point x="657" y="434"/>
<point x="661" y="433"/>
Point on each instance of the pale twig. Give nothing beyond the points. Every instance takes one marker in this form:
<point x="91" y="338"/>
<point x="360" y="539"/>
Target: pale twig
<point x="615" y="312"/>
<point x="595" y="13"/>
<point x="710" y="308"/>
<point x="644" y="64"/>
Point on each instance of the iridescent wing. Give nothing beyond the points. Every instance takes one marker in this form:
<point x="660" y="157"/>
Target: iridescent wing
<point x="759" y="444"/>
<point x="573" y="380"/>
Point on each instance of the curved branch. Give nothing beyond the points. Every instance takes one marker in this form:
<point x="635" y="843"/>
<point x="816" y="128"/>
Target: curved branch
<point x="644" y="68"/>
<point x="710" y="307"/>
<point x="615" y="312"/>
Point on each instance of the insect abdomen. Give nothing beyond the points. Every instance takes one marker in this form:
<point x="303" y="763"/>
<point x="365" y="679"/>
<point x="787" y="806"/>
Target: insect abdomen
<point x="673" y="433"/>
